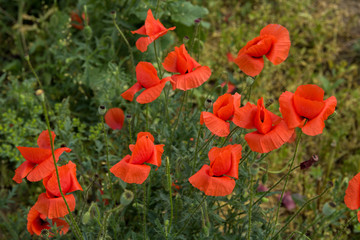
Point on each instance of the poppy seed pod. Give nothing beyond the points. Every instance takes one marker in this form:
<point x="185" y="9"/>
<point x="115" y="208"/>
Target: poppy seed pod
<point x="113" y="14"/>
<point x="102" y="110"/>
<point x="126" y="197"/>
<point x="128" y="116"/>
<point x="208" y="103"/>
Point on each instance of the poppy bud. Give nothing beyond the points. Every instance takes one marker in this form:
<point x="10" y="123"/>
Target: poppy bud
<point x="185" y="39"/>
<point x="113" y="14"/>
<point x="40" y="94"/>
<point x="265" y="200"/>
<point x="305" y="165"/>
<point x="208" y="103"/>
<point x="126" y="197"/>
<point x="88" y="32"/>
<point x="45" y="233"/>
<point x="249" y="80"/>
<point x="27" y="58"/>
<point x="86" y="218"/>
<point x="269" y="102"/>
<point x="102" y="110"/>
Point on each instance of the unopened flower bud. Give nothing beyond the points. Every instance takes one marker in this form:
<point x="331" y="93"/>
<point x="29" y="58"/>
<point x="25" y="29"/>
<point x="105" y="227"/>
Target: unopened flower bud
<point x="197" y="21"/>
<point x="249" y="80"/>
<point x="86" y="218"/>
<point x="269" y="102"/>
<point x="126" y="197"/>
<point x="88" y="32"/>
<point x="27" y="58"/>
<point x="208" y="103"/>
<point x="185" y="39"/>
<point x="40" y="94"/>
<point x="102" y="110"/>
<point x="307" y="164"/>
<point x="113" y="14"/>
<point x="45" y="233"/>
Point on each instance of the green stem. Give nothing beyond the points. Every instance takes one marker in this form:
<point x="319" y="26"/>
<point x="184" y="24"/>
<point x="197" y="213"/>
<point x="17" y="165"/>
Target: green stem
<point x="107" y="158"/>
<point x="102" y="234"/>
<point x="273" y="186"/>
<point x="147" y="117"/>
<point x="158" y="61"/>
<point x="250" y="205"/>
<point x="144" y="217"/>
<point x="170" y="193"/>
<point x="345" y="226"/>
<point x="302" y="207"/>
<point x="230" y="134"/>
<point x="126" y="42"/>
<point x="178" y="116"/>
<point x="287" y="178"/>
<point x="196" y="148"/>
<point x="189" y="218"/>
<point x="27" y="58"/>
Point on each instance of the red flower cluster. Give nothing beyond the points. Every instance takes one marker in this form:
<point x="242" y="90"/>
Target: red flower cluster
<point x="273" y="42"/>
<point x="215" y="180"/>
<point x="132" y="168"/>
<point x="77" y="21"/>
<point x="39" y="165"/>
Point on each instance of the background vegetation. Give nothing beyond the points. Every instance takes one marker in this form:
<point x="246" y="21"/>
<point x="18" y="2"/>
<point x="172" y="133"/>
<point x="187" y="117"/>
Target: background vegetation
<point x="82" y="69"/>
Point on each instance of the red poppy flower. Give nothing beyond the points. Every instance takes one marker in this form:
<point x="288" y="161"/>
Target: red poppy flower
<point x="51" y="204"/>
<point x="230" y="57"/>
<point x="37" y="222"/>
<point x="39" y="161"/>
<point x="214" y="180"/>
<point x="153" y="29"/>
<point x="192" y="74"/>
<point x="272" y="131"/>
<point x="231" y="87"/>
<point x="352" y="194"/>
<point x="223" y="111"/>
<point x="77" y="21"/>
<point x="132" y="169"/>
<point x="114" y="118"/>
<point x="147" y="78"/>
<point x="273" y="42"/>
<point x="307" y="103"/>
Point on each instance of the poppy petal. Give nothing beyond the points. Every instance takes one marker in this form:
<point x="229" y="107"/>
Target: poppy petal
<point x="288" y="110"/>
<point x="46" y="167"/>
<point x="34" y="155"/>
<point x="152" y="93"/>
<point x="275" y="138"/>
<point x="213" y="153"/>
<point x="43" y="140"/>
<point x="352" y="193"/>
<point x="235" y="160"/>
<point x="130" y="173"/>
<point x="249" y="65"/>
<point x="23" y="170"/>
<point x="114" y="118"/>
<point x="152" y="26"/>
<point x="156" y="157"/>
<point x="237" y="100"/>
<point x="143" y="43"/>
<point x="129" y="94"/>
<point x="170" y="62"/>
<point x="308" y="100"/>
<point x="141" y="31"/>
<point x="54" y="207"/>
<point x="316" y="125"/>
<point x="142" y="134"/>
<point x="281" y="45"/>
<point x="216" y="125"/>
<point x="35" y="223"/>
<point x="191" y="80"/>
<point x="146" y="75"/>
<point x="62" y="225"/>
<point x="212" y="186"/>
<point x="244" y="116"/>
